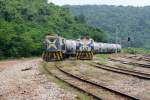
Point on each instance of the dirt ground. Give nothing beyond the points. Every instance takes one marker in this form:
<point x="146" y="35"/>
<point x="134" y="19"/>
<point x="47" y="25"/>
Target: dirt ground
<point x="124" y="83"/>
<point x="21" y="80"/>
<point x="5" y="64"/>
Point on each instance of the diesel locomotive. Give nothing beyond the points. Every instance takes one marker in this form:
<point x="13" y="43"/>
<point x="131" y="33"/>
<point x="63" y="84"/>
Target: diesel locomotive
<point x="57" y="48"/>
<point x="54" y="48"/>
<point x="85" y="48"/>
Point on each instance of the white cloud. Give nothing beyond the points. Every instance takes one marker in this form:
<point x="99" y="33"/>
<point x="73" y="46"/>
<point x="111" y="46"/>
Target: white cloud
<point x="108" y="2"/>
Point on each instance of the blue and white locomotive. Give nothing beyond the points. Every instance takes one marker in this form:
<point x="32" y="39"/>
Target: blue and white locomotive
<point x="58" y="48"/>
<point x="85" y="48"/>
<point x="54" y="48"/>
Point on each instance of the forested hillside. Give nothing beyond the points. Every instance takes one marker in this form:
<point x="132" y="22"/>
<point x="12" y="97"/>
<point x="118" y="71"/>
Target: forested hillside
<point x="24" y="24"/>
<point x="130" y="23"/>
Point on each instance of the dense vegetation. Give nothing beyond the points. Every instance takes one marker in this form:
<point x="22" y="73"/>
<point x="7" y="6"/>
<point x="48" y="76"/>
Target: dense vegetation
<point x="24" y="24"/>
<point x="130" y="23"/>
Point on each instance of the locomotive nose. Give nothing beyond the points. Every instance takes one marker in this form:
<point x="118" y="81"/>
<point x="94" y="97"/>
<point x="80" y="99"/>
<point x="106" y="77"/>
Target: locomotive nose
<point x="85" y="47"/>
<point x="52" y="45"/>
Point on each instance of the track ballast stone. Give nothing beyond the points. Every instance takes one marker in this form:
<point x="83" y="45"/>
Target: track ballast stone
<point x="30" y="84"/>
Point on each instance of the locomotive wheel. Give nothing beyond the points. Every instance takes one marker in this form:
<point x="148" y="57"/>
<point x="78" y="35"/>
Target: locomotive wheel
<point x="81" y="55"/>
<point x="54" y="55"/>
<point x="43" y="55"/>
<point x="77" y="54"/>
<point x="49" y="56"/>
<point x="78" y="57"/>
<point x="46" y="56"/>
<point x="61" y="56"/>
<point x="87" y="55"/>
<point x="91" y="53"/>
<point x="58" y="55"/>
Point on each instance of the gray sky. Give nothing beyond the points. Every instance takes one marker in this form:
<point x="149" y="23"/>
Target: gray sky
<point x="108" y="2"/>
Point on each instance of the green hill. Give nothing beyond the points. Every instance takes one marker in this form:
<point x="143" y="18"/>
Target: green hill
<point x="24" y="24"/>
<point x="130" y="23"/>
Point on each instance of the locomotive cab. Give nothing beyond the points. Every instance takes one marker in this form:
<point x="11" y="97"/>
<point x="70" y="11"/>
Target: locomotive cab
<point x="85" y="47"/>
<point x="54" y="48"/>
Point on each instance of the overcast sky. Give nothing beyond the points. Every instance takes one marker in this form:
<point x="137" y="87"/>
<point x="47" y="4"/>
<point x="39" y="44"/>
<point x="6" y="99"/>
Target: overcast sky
<point x="108" y="2"/>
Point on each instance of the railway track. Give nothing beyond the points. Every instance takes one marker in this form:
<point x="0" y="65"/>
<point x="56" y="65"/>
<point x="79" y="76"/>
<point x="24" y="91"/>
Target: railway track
<point x="122" y="70"/>
<point x="97" y="90"/>
<point x="138" y="58"/>
<point x="100" y="85"/>
<point x="130" y="62"/>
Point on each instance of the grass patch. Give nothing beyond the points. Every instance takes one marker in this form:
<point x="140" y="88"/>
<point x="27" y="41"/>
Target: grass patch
<point x="136" y="51"/>
<point x="80" y="95"/>
<point x="103" y="62"/>
<point x="102" y="56"/>
<point x="130" y="67"/>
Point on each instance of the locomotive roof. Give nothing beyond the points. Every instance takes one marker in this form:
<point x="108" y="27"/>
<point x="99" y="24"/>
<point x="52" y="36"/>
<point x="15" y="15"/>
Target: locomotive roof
<point x="54" y="36"/>
<point x="85" y="37"/>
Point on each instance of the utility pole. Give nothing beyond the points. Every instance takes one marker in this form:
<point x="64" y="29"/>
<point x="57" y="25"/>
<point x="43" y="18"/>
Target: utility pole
<point x="116" y="36"/>
<point x="129" y="40"/>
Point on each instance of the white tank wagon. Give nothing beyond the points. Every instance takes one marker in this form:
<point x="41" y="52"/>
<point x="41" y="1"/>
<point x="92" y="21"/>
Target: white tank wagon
<point x="111" y="48"/>
<point x="100" y="47"/>
<point x="71" y="47"/>
<point x="118" y="46"/>
<point x="96" y="47"/>
<point x="103" y="47"/>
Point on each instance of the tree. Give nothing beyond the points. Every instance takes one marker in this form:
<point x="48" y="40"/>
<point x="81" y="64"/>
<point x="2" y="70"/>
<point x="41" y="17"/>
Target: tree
<point x="132" y="20"/>
<point x="25" y="23"/>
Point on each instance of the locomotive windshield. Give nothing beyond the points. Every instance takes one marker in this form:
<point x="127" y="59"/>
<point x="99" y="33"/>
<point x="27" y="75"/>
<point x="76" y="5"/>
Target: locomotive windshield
<point x="85" y="44"/>
<point x="52" y="43"/>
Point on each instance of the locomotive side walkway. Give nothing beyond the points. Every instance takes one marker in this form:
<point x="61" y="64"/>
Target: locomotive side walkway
<point x="21" y="80"/>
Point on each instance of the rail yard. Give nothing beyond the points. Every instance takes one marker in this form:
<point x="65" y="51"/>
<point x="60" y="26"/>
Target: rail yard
<point x="100" y="78"/>
<point x="117" y="77"/>
<point x="87" y="69"/>
<point x="74" y="50"/>
<point x="108" y="81"/>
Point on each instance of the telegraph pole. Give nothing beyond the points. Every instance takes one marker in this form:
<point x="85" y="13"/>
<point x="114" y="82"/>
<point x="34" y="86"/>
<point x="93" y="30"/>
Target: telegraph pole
<point x="129" y="40"/>
<point x="116" y="36"/>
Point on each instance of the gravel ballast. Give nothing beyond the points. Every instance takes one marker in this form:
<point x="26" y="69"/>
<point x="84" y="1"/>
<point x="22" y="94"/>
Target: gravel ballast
<point x="17" y="83"/>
